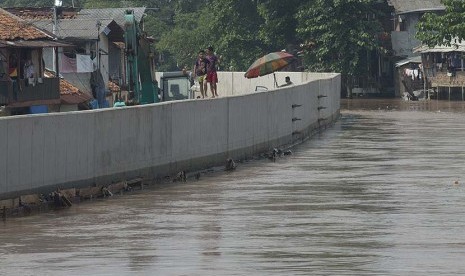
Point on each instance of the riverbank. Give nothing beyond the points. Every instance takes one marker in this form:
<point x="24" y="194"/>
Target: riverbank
<point x="59" y="152"/>
<point x="34" y="204"/>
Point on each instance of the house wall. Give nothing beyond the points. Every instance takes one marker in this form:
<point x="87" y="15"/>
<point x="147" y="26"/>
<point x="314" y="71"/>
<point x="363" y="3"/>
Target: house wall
<point x="78" y="149"/>
<point x="114" y="61"/>
<point x="82" y="80"/>
<point x="444" y="79"/>
<point x="48" y="58"/>
<point x="104" y="58"/>
<point x="68" y="107"/>
<point x="403" y="42"/>
<point x="79" y="80"/>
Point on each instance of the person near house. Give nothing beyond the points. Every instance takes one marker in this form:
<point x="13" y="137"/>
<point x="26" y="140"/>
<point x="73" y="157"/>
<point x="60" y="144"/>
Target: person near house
<point x="3" y="66"/>
<point x="13" y="66"/>
<point x="287" y="82"/>
<point x="200" y="71"/>
<point x="28" y="69"/>
<point x="212" y="76"/>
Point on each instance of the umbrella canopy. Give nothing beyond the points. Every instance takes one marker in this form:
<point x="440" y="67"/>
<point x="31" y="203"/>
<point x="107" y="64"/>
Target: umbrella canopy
<point x="268" y="64"/>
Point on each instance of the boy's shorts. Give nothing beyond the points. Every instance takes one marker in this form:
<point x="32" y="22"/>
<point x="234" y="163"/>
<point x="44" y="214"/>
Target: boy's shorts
<point x="200" y="79"/>
<point x="212" y="77"/>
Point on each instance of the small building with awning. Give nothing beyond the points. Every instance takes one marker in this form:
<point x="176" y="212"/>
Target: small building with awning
<point x="22" y="80"/>
<point x="97" y="36"/>
<point x="408" y="77"/>
<point x="444" y="69"/>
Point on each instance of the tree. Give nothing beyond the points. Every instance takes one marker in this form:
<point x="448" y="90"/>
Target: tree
<point x="230" y="26"/>
<point x="339" y="35"/>
<point x="435" y="29"/>
<point x="233" y="31"/>
<point x="278" y="29"/>
<point x="184" y="40"/>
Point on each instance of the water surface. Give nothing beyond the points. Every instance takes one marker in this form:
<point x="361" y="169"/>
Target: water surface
<point x="375" y="194"/>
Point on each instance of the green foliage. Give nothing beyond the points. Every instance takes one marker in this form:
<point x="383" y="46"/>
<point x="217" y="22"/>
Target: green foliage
<point x="233" y="31"/>
<point x="337" y="35"/>
<point x="229" y="26"/>
<point x="279" y="23"/>
<point x="183" y="42"/>
<point x="436" y="29"/>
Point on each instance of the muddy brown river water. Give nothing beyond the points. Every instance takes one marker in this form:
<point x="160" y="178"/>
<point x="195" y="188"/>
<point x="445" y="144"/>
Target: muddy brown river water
<point x="382" y="192"/>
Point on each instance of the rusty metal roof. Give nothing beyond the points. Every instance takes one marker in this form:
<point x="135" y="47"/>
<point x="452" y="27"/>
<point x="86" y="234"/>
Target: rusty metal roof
<point x="32" y="44"/>
<point x="80" y="24"/>
<point x="69" y="94"/>
<point x="14" y="28"/>
<point x="37" y="13"/>
<point x="75" y="98"/>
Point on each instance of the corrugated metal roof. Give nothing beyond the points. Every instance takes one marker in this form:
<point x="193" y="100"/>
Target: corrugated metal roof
<point x="36" y="13"/>
<point x="82" y="24"/>
<point x="116" y="14"/>
<point x="69" y="94"/>
<point x="455" y="47"/>
<point x="416" y="59"/>
<point x="15" y="28"/>
<point x="75" y="28"/>
<point x="408" y="6"/>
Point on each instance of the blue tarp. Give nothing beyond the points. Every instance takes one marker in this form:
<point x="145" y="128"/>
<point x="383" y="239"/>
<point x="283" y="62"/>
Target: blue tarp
<point x="94" y="104"/>
<point x="38" y="109"/>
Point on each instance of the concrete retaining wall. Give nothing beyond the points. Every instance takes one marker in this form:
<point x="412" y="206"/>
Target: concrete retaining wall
<point x="234" y="83"/>
<point x="77" y="149"/>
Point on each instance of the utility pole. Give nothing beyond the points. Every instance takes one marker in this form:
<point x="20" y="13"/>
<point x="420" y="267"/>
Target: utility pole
<point x="99" y="24"/>
<point x="56" y="66"/>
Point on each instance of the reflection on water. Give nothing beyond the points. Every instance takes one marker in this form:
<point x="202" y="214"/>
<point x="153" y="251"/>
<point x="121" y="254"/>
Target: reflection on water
<point x="373" y="195"/>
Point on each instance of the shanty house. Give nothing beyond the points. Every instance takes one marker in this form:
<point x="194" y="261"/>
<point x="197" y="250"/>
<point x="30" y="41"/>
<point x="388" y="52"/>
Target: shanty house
<point x="98" y="36"/>
<point x="406" y="15"/>
<point x="444" y="70"/>
<point x="22" y="82"/>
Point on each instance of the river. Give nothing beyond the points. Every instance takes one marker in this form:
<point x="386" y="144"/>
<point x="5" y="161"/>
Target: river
<point x="382" y="192"/>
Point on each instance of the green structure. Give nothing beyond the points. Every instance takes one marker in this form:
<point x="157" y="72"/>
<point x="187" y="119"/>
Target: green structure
<point x="139" y="71"/>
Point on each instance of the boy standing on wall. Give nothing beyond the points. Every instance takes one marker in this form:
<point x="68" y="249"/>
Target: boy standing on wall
<point x="200" y="71"/>
<point x="212" y="76"/>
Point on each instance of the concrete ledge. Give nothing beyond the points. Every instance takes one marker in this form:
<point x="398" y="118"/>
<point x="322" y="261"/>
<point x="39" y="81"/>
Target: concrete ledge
<point x="96" y="148"/>
<point x="153" y="174"/>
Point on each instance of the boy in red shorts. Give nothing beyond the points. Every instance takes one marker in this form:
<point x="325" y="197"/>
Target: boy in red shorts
<point x="212" y="76"/>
